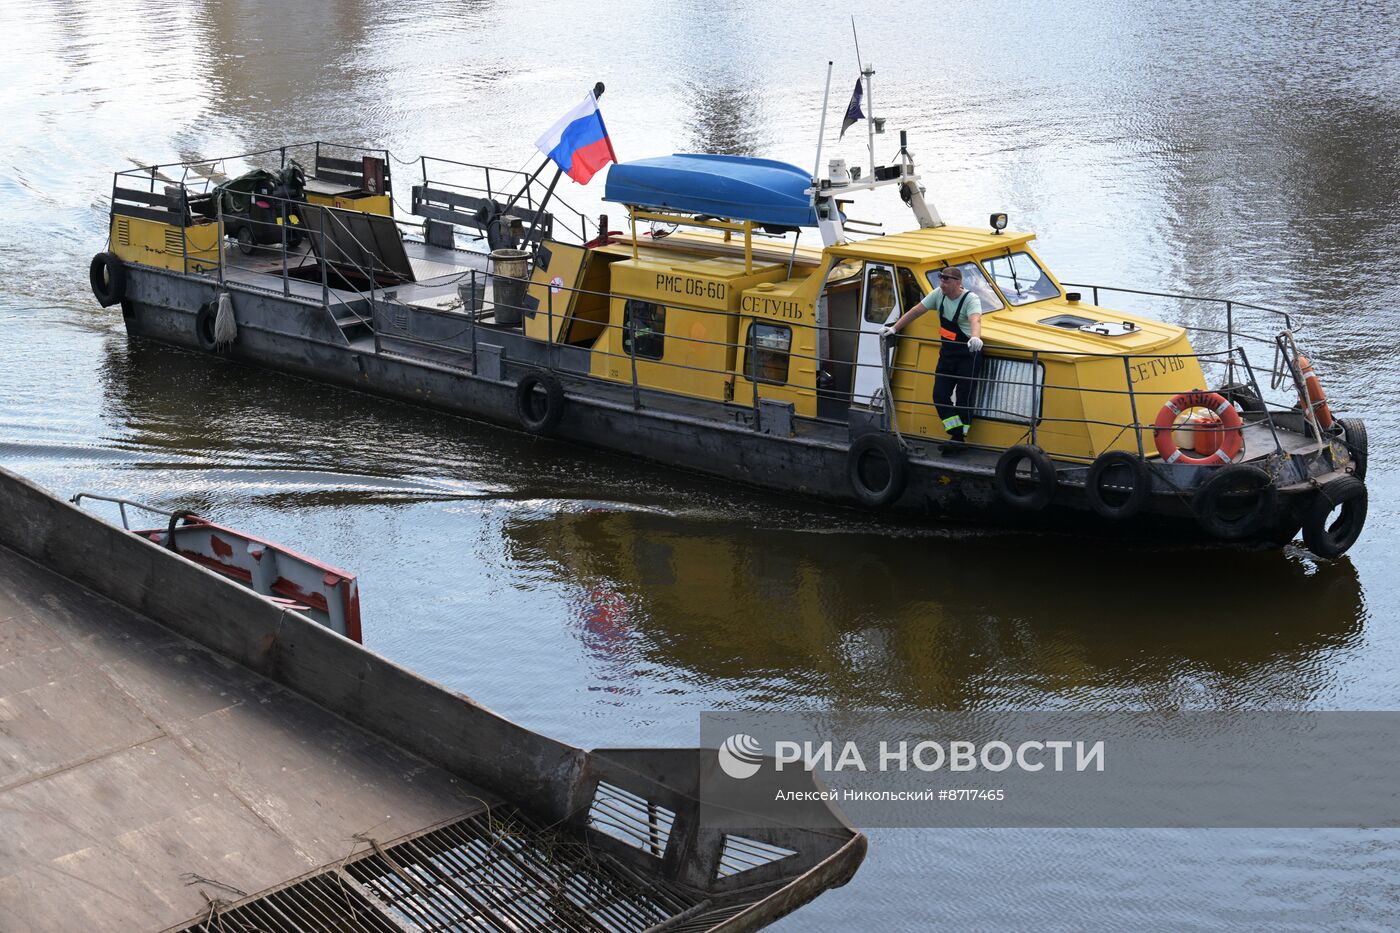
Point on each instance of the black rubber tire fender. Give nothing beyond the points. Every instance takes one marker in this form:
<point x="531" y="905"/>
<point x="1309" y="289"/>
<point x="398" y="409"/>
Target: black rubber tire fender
<point x="204" y="325"/>
<point x="1354" y="436"/>
<point x="870" y="449"/>
<point x="531" y="418"/>
<point x="1331" y="541"/>
<point x="1237" y="477"/>
<point x="107" y="276"/>
<point x="1138" y="492"/>
<point x="1008" y="486"/>
<point x="1243" y="396"/>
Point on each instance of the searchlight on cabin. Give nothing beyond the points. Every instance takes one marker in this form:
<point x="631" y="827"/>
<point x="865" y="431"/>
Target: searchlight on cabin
<point x="998" y="223"/>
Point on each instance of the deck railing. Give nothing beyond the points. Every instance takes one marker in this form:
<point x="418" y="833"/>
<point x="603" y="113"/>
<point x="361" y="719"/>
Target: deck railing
<point x="1231" y="364"/>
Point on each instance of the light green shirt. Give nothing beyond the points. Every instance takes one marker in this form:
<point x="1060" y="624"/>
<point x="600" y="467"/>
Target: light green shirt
<point x="937" y="301"/>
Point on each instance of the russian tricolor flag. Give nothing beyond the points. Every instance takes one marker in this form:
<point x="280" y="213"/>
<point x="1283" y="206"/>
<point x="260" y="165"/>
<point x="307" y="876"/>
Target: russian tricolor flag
<point x="578" y="142"/>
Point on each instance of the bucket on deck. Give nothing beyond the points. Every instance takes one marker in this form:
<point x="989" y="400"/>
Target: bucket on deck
<point x="471" y="291"/>
<point x="509" y="268"/>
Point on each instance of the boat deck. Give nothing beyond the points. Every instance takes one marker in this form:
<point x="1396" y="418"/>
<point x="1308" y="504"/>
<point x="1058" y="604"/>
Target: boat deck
<point x="436" y="271"/>
<point x="146" y="781"/>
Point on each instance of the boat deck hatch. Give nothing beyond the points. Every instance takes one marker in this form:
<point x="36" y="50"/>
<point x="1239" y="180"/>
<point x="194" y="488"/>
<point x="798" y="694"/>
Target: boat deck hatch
<point x="1068" y="321"/>
<point x="490" y="871"/>
<point x="1090" y="326"/>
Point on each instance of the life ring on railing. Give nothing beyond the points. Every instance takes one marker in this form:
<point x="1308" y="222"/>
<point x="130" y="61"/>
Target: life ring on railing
<point x="536" y="416"/>
<point x="1232" y="430"/>
<point x="877" y="469"/>
<point x="1313" y="397"/>
<point x="107" y="276"/>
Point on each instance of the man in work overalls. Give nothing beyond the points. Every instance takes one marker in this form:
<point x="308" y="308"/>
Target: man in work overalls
<point x="960" y="327"/>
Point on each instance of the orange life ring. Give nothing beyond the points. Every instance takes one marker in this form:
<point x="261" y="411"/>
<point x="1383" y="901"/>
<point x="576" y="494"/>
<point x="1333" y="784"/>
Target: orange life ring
<point x="1314" y="397"/>
<point x="1232" y="431"/>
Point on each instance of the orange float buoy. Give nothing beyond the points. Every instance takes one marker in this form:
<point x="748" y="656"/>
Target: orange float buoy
<point x="1313" y="397"/>
<point x="1231" y="431"/>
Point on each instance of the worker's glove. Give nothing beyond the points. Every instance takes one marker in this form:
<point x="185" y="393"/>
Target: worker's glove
<point x="975" y="344"/>
<point x="888" y="331"/>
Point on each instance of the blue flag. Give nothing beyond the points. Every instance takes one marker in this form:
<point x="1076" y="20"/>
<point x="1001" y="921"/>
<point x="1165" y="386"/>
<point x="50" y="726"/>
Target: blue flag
<point x="852" y="109"/>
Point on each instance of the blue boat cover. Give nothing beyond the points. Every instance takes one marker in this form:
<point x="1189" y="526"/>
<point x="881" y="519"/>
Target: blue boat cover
<point x="733" y="187"/>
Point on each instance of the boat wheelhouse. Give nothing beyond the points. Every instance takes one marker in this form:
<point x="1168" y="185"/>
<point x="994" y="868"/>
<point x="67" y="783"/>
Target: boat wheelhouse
<point x="707" y="335"/>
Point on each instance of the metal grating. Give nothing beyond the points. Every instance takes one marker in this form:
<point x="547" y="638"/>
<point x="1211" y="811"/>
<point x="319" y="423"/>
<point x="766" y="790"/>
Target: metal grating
<point x="740" y="854"/>
<point x="123" y="231"/>
<point x="1010" y="390"/>
<point x="632" y="819"/>
<point x="485" y="873"/>
<point x="488" y="873"/>
<point x="322" y="904"/>
<point x="174" y="241"/>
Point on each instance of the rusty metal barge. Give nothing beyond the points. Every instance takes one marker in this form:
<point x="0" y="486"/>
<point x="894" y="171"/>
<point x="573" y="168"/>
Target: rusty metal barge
<point x="181" y="753"/>
<point x="715" y="342"/>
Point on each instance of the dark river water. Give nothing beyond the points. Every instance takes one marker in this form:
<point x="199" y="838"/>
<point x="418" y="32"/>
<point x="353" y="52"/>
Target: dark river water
<point x="1240" y="150"/>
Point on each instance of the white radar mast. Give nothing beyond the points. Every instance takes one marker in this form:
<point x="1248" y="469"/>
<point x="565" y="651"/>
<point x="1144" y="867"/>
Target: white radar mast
<point x="839" y="180"/>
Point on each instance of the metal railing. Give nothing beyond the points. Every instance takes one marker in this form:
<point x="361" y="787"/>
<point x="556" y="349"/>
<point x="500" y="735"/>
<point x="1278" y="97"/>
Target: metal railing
<point x="121" y="504"/>
<point x="492" y="183"/>
<point x="1230" y="363"/>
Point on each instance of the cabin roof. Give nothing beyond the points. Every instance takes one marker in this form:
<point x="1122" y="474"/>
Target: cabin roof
<point x="930" y="244"/>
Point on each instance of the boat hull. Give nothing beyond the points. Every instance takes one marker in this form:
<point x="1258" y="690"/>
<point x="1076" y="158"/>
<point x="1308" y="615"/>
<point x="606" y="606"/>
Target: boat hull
<point x="299" y="337"/>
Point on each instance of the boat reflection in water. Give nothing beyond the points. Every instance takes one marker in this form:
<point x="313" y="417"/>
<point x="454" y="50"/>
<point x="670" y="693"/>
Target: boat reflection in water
<point x="865" y="620"/>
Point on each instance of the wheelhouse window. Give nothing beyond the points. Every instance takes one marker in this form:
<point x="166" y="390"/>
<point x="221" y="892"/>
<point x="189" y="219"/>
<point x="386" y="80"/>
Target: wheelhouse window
<point x="880" y="299"/>
<point x="643" y="328"/>
<point x="909" y="288"/>
<point x="1020" y="278"/>
<point x="767" y="355"/>
<point x="974" y="281"/>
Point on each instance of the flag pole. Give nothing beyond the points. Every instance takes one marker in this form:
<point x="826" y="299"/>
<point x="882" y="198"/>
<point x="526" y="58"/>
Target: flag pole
<point x="821" y="134"/>
<point x="549" y="192"/>
<point x="869" y="74"/>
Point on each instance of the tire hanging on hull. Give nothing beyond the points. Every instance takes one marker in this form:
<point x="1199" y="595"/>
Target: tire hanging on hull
<point x="877" y="470"/>
<point x="533" y="417"/>
<point x="1233" y="525"/>
<point x="1043" y="481"/>
<point x="1331" y="539"/>
<point x="1133" y="497"/>
<point x="107" y="276"/>
<point x="204" y="326"/>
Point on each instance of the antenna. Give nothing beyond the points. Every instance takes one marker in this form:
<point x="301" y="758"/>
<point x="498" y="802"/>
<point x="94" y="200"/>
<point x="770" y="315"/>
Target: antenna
<point x="821" y="132"/>
<point x="868" y="73"/>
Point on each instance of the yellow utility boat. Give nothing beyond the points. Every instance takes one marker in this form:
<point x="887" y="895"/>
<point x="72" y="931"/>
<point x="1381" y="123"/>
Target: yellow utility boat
<point x="707" y="335"/>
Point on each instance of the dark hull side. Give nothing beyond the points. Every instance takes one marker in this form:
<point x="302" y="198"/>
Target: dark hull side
<point x="301" y="338"/>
